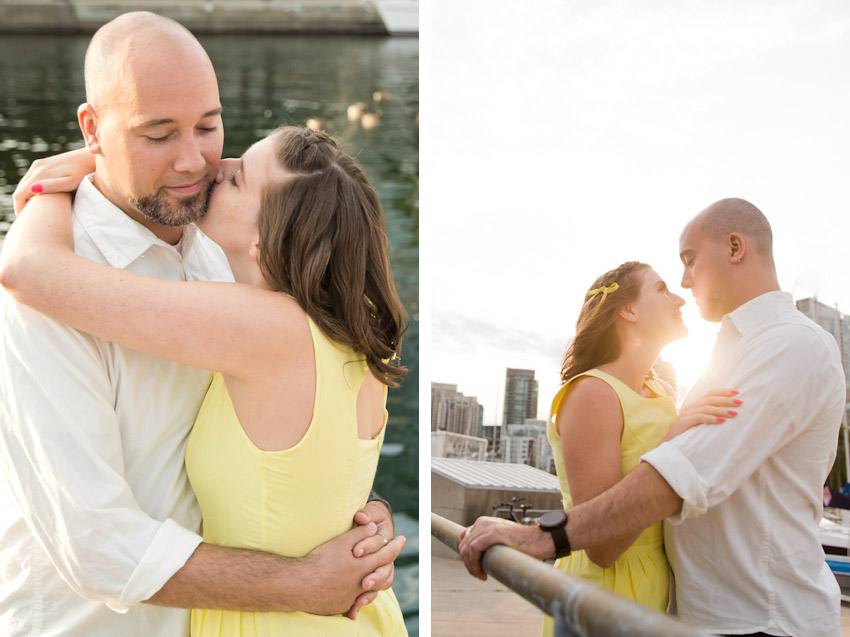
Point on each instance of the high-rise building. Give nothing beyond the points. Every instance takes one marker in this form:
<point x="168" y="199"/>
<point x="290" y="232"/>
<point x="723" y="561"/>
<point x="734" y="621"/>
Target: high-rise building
<point x="449" y="445"/>
<point x="520" y="396"/>
<point x="527" y="444"/>
<point x="519" y="449"/>
<point x="493" y="435"/>
<point x="453" y="412"/>
<point x="456" y="424"/>
<point x="836" y="323"/>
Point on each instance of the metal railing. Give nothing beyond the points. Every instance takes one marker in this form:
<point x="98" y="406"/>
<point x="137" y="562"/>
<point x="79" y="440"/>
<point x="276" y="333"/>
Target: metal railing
<point x="578" y="608"/>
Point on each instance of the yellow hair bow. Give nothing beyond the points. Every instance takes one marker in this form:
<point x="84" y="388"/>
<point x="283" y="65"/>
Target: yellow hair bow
<point x="604" y="290"/>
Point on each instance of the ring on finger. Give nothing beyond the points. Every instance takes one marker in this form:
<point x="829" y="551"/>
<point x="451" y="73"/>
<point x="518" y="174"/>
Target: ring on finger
<point x="386" y="541"/>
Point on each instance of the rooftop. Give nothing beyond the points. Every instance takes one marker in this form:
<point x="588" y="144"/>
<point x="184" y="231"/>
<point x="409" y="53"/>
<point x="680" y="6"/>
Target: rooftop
<point x="474" y="474"/>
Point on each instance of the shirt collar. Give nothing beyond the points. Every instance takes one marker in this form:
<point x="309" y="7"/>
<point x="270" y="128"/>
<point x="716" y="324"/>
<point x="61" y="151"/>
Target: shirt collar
<point x="119" y="238"/>
<point x="758" y="311"/>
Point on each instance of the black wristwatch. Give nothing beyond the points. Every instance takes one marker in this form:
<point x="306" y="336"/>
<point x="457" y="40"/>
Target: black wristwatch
<point x="374" y="497"/>
<point x="555" y="523"/>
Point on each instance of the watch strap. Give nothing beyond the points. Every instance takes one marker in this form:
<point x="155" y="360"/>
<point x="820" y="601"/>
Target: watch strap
<point x="562" y="542"/>
<point x="555" y="523"/>
<point x="374" y="497"/>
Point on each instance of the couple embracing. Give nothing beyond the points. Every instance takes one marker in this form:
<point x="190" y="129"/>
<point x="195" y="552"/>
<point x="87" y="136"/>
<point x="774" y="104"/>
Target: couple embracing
<point x="280" y="376"/>
<point x="736" y="475"/>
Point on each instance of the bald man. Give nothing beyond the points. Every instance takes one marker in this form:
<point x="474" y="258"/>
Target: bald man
<point x="742" y="500"/>
<point x="97" y="514"/>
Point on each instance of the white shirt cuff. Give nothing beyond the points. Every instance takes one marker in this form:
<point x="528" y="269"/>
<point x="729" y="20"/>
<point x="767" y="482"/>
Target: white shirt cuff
<point x="682" y="477"/>
<point x="171" y="547"/>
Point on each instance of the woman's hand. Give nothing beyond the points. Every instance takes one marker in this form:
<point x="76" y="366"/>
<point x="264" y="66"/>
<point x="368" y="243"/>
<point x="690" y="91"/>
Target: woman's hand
<point x="381" y="578"/>
<point x="712" y="409"/>
<point x="60" y="173"/>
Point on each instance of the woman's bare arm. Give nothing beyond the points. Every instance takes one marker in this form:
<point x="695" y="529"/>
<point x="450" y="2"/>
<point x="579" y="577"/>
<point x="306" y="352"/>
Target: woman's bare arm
<point x="590" y="423"/>
<point x="59" y="173"/>
<point x="203" y="324"/>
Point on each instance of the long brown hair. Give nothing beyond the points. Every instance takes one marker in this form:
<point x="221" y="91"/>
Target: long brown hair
<point x="323" y="240"/>
<point x="596" y="341"/>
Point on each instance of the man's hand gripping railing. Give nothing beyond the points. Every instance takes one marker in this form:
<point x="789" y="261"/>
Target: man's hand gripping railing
<point x="578" y="607"/>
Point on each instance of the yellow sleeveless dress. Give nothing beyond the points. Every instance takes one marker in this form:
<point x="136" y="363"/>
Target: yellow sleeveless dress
<point x="288" y="502"/>
<point x="641" y="573"/>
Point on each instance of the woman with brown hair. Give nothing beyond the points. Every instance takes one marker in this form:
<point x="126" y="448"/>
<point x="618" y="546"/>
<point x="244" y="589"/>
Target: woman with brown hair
<point x="304" y="346"/>
<point x="612" y="409"/>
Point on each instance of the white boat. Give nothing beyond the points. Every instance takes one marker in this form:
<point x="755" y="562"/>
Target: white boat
<point x="835" y="535"/>
<point x="840" y="567"/>
<point x="401" y="17"/>
<point x="835" y="539"/>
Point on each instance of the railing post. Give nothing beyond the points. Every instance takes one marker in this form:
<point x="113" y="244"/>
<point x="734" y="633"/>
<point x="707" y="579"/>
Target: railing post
<point x="578" y="608"/>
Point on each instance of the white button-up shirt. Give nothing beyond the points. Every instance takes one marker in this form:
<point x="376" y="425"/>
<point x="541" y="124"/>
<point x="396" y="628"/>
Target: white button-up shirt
<point x="744" y="549"/>
<point x="96" y="512"/>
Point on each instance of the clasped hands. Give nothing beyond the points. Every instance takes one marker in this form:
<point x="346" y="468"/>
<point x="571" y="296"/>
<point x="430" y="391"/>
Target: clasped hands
<point x="354" y="565"/>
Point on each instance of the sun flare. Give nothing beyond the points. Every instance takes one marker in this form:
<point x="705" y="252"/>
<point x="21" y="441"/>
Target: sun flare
<point x="690" y="355"/>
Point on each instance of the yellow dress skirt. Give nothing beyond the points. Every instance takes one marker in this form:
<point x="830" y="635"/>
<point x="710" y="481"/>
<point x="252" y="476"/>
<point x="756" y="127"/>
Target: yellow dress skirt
<point x="641" y="573"/>
<point x="288" y="502"/>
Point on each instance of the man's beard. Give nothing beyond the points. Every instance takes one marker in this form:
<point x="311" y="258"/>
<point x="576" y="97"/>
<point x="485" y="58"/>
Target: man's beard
<point x="174" y="214"/>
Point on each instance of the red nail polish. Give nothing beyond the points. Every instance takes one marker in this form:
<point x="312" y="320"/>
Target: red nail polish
<point x="734" y="392"/>
<point x="733" y="413"/>
<point x="721" y="420"/>
<point x="36" y="189"/>
<point x="738" y="402"/>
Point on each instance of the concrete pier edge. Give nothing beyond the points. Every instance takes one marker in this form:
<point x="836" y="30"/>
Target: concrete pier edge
<point x="358" y="17"/>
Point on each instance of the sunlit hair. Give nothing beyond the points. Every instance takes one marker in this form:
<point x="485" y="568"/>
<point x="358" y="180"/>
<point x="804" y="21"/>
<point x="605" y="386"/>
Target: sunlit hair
<point x="596" y="341"/>
<point x="323" y="240"/>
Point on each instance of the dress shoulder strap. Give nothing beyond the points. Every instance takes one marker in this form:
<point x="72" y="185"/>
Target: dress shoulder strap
<point x="596" y="373"/>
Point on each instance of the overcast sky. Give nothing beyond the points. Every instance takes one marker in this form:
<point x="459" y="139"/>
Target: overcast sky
<point x="567" y="137"/>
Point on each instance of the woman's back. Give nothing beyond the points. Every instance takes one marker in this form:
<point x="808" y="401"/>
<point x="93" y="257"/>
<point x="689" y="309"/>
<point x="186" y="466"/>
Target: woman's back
<point x="288" y="502"/>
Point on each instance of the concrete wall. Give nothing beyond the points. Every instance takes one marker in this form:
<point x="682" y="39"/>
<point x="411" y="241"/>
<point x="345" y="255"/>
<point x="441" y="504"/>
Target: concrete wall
<point x="463" y="506"/>
<point x="212" y="16"/>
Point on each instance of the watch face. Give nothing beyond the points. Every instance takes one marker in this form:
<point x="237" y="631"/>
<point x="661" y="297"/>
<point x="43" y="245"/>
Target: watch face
<point x="552" y="519"/>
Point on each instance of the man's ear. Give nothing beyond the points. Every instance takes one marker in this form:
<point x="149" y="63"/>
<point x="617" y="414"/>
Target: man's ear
<point x="87" y="118"/>
<point x="737" y="247"/>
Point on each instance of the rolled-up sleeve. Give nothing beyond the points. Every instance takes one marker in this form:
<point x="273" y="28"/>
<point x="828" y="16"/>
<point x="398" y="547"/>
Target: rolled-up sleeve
<point x="708" y="463"/>
<point x="61" y="451"/>
<point x="683" y="477"/>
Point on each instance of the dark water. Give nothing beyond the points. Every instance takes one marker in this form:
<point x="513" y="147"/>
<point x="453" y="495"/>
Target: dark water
<point x="266" y="81"/>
